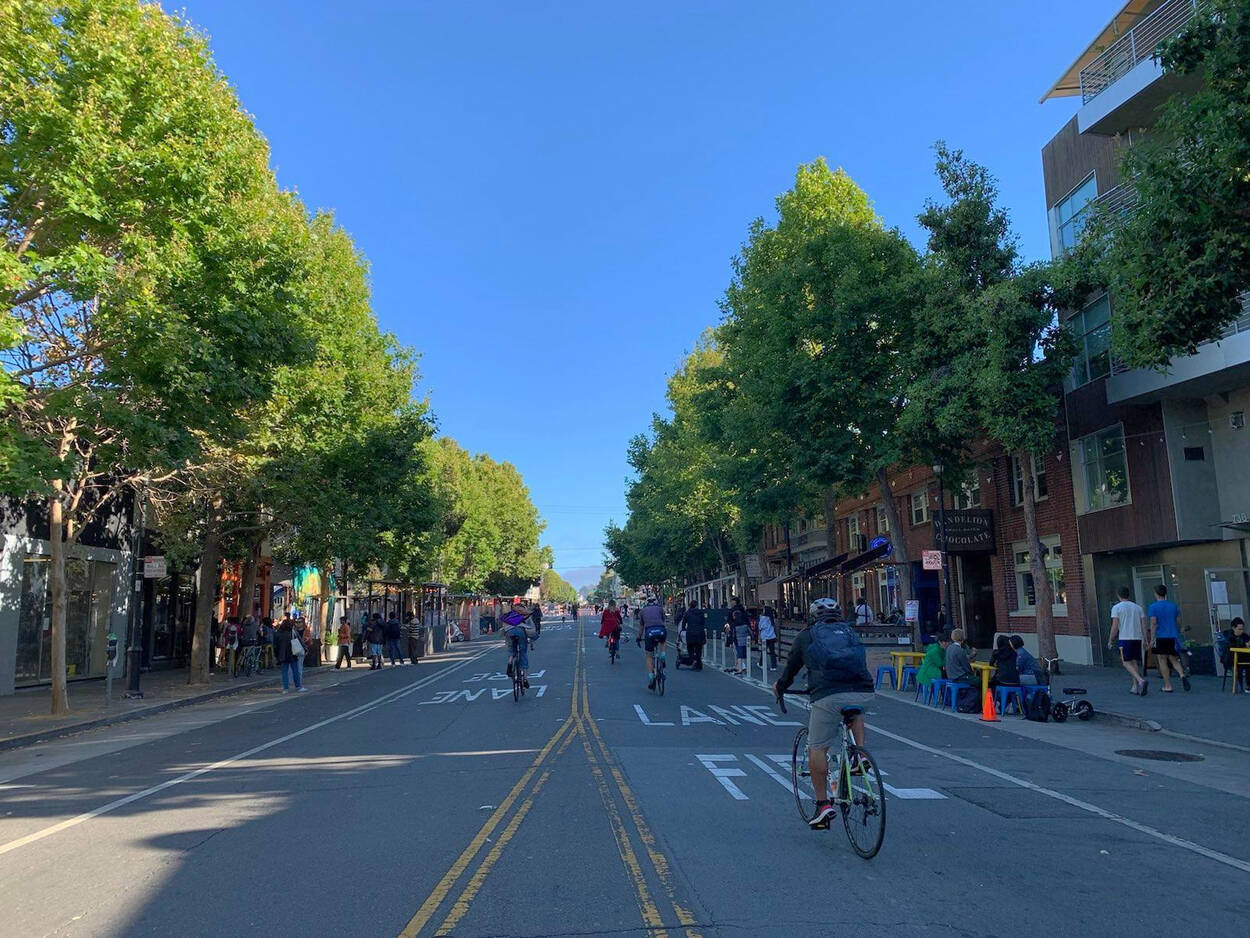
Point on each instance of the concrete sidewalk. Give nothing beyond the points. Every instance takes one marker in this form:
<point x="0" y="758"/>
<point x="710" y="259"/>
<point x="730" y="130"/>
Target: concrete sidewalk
<point x="1203" y="713"/>
<point x="24" y="717"/>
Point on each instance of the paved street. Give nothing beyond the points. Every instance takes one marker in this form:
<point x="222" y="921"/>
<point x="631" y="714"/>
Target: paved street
<point x="422" y="800"/>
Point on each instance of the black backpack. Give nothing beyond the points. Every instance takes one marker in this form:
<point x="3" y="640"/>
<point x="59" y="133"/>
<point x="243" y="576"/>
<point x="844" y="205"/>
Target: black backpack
<point x="1038" y="709"/>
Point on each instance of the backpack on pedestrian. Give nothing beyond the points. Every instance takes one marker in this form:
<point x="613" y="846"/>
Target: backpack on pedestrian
<point x="1038" y="707"/>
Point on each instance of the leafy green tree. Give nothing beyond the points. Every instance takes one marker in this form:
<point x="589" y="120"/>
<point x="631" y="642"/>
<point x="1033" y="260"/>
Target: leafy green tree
<point x="1177" y="263"/>
<point x="994" y="328"/>
<point x="817" y="326"/>
<point x="146" y="257"/>
<point x="555" y="588"/>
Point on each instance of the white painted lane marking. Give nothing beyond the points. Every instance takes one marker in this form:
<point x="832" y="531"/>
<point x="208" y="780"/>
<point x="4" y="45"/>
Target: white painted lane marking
<point x="188" y="776"/>
<point x="647" y="721"/>
<point x="723" y="774"/>
<point x="770" y="772"/>
<point x="1217" y="856"/>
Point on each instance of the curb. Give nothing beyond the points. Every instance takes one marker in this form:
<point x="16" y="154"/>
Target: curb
<point x="72" y="729"/>
<point x="1132" y="722"/>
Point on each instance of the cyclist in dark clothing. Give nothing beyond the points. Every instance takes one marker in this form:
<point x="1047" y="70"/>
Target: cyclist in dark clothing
<point x="694" y="621"/>
<point x="537" y="617"/>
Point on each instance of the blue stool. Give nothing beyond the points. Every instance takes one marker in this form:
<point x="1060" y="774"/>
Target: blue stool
<point x="950" y="689"/>
<point x="886" y="670"/>
<point x="934" y="694"/>
<point x="925" y="692"/>
<point x="1006" y="694"/>
<point x="909" y="676"/>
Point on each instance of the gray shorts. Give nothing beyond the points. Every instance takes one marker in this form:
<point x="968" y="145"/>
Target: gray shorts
<point x="825" y="723"/>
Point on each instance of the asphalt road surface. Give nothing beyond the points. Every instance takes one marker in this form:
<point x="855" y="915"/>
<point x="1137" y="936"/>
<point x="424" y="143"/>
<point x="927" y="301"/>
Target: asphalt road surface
<point x="423" y="800"/>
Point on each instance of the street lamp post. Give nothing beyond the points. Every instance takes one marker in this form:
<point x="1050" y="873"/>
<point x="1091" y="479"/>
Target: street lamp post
<point x="938" y="469"/>
<point x="134" y="652"/>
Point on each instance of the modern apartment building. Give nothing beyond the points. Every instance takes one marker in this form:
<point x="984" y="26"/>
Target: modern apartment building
<point x="1157" y="457"/>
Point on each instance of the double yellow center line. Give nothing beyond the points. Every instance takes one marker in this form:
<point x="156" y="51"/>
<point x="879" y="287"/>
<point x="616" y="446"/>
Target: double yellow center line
<point x="523" y="794"/>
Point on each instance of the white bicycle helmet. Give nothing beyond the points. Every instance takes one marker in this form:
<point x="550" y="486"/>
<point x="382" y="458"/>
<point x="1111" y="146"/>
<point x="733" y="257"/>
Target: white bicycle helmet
<point x="824" y="608"/>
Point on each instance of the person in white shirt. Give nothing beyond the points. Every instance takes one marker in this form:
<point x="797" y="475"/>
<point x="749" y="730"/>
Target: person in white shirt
<point x="1127" y="629"/>
<point x="863" y="612"/>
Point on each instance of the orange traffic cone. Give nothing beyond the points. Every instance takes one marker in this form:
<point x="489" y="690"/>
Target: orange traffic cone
<point x="988" y="713"/>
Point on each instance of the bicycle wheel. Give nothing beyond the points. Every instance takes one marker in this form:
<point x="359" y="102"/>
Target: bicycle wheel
<point x="801" y="775"/>
<point x="863" y="806"/>
<point x="659" y="680"/>
<point x="517" y="686"/>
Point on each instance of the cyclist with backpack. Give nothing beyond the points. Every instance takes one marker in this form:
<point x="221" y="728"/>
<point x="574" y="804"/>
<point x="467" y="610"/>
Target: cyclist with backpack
<point x="837" y="680"/>
<point x="519" y="640"/>
<point x="652" y="629"/>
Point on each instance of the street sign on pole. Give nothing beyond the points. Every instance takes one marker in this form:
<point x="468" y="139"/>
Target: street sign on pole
<point x="154" y="568"/>
<point x="932" y="560"/>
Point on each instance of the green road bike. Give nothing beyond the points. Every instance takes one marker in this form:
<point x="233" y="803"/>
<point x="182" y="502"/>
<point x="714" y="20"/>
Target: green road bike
<point x="859" y="794"/>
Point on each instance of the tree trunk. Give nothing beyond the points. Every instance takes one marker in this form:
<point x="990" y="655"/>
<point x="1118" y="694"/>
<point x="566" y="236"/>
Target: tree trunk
<point x="323" y="611"/>
<point x="56" y="584"/>
<point x="898" y="540"/>
<point x="205" y="599"/>
<point x="1037" y="563"/>
<point x="830" y="527"/>
<point x="247" y="584"/>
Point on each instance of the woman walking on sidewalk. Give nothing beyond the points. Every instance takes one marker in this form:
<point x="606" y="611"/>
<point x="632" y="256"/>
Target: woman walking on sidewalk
<point x="290" y="652"/>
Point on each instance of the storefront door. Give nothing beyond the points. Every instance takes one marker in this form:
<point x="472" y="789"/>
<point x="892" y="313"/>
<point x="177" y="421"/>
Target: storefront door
<point x="88" y="603"/>
<point x="1227" y="591"/>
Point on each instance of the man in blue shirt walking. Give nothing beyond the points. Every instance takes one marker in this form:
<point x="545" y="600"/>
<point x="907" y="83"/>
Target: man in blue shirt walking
<point x="1165" y="637"/>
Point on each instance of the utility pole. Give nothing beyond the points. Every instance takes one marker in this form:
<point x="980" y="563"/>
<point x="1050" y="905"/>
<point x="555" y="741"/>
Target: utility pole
<point x="134" y="652"/>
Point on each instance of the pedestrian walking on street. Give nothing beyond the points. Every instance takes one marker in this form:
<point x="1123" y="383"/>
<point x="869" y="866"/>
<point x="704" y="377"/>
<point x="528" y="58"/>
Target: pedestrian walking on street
<point x="537" y="616"/>
<point x="392" y="631"/>
<point x="376" y="635"/>
<point x="345" y="643"/>
<point x="1128" y="631"/>
<point x="1165" y="637"/>
<point x="412" y="636"/>
<point x="268" y="635"/>
<point x="741" y="627"/>
<point x="290" y="650"/>
<point x="694" y="620"/>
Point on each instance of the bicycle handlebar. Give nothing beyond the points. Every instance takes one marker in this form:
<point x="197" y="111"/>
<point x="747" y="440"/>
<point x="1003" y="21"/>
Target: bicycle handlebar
<point x="780" y="697"/>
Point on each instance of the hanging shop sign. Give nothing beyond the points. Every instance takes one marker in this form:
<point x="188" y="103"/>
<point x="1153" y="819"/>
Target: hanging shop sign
<point x="968" y="531"/>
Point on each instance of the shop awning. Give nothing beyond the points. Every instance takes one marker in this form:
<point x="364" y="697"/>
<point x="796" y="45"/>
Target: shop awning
<point x="865" y="559"/>
<point x="826" y="567"/>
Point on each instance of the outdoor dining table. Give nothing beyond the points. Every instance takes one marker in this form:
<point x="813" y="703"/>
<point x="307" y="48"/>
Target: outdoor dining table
<point x="902" y="658"/>
<point x="985" y="669"/>
<point x="1237" y="663"/>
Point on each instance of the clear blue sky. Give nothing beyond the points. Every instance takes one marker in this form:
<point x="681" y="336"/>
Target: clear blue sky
<point x="567" y="182"/>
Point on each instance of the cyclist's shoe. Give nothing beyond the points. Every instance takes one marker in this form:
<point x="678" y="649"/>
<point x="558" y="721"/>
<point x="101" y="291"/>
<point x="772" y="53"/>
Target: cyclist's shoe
<point x="820" y="821"/>
<point x="525" y="682"/>
<point x="651" y="684"/>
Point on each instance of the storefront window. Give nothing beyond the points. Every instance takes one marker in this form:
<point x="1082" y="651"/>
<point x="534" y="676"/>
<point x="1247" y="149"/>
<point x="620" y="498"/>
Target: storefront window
<point x="1026" y="593"/>
<point x="1104" y="475"/>
<point x="88" y="604"/>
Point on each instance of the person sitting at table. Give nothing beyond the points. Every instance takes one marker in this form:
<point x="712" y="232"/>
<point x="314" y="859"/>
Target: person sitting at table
<point x="958" y="668"/>
<point x="1030" y="671"/>
<point x="1236" y="637"/>
<point x="933" y="663"/>
<point x="1003" y="658"/>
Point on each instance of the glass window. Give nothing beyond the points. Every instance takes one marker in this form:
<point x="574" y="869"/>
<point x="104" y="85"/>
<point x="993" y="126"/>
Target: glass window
<point x="1091" y="328"/>
<point x="920" y="507"/>
<point x="1040" y="491"/>
<point x="34" y="624"/>
<point x="969" y="496"/>
<point x="1026" y="593"/>
<point x="88" y="604"/>
<point x="1104" y="470"/>
<point x="852" y="528"/>
<point x="1071" y="214"/>
<point x="883" y="520"/>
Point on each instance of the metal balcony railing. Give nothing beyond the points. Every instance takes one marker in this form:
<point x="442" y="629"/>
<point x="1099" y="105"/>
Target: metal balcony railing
<point x="1136" y="45"/>
<point x="1118" y="201"/>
